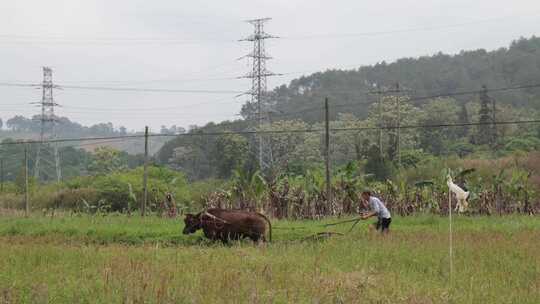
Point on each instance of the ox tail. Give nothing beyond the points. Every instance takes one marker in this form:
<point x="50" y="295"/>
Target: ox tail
<point x="269" y="226"/>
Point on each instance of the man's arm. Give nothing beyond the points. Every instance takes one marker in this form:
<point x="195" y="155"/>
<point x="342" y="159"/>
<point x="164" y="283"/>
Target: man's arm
<point x="367" y="215"/>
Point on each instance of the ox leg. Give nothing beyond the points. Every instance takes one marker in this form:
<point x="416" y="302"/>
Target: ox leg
<point x="256" y="237"/>
<point x="224" y="237"/>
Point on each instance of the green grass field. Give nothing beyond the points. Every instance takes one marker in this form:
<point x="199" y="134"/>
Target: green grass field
<point x="119" y="259"/>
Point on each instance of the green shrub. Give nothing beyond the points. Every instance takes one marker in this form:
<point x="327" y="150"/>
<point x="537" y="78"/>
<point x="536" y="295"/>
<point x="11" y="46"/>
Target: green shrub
<point x="525" y="144"/>
<point x="114" y="192"/>
<point x="192" y="197"/>
<point x="461" y="149"/>
<point x="410" y="158"/>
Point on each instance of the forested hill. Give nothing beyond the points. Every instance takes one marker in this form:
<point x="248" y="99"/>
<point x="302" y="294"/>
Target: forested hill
<point x="469" y="70"/>
<point x="299" y="105"/>
<point x="20" y="127"/>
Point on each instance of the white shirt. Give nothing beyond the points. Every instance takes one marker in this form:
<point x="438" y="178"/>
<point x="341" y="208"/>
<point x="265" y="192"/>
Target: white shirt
<point x="378" y="207"/>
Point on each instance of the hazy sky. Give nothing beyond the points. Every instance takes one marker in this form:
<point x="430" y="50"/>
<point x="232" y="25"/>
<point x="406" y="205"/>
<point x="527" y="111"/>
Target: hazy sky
<point x="193" y="45"/>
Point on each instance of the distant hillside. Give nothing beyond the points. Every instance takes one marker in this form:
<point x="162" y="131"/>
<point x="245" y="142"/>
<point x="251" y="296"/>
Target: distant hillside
<point x="20" y="127"/>
<point x="469" y="70"/>
<point x="131" y="146"/>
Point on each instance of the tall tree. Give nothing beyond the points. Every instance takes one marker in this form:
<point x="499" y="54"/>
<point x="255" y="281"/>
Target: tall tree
<point x="231" y="153"/>
<point x="380" y="168"/>
<point x="106" y="160"/>
<point x="409" y="115"/>
<point x="435" y="140"/>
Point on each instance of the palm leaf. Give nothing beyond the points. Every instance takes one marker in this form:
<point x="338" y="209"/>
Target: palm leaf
<point x="425" y="183"/>
<point x="465" y="172"/>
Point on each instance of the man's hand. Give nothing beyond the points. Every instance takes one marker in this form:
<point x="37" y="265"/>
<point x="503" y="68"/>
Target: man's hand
<point x="367" y="215"/>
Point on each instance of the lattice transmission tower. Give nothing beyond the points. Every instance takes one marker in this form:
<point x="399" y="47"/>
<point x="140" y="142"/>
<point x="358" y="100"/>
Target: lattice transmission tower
<point x="47" y="166"/>
<point x="258" y="93"/>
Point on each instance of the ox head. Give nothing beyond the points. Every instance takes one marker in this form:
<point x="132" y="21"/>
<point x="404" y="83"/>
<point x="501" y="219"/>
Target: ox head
<point x="192" y="223"/>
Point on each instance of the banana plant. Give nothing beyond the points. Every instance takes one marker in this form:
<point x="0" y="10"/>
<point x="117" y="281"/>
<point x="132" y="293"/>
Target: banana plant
<point x="248" y="188"/>
<point x="314" y="183"/>
<point x="498" y="181"/>
<point x="425" y="196"/>
<point x="517" y="189"/>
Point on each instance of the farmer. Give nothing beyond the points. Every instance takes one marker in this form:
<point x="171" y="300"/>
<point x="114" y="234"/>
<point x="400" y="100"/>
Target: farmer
<point x="377" y="208"/>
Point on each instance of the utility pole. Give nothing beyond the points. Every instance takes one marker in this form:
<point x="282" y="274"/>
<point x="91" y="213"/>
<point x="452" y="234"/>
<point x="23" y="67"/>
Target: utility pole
<point x="398" y="125"/>
<point x="495" y="133"/>
<point x="258" y="76"/>
<point x="380" y="122"/>
<point x="450" y="247"/>
<point x="26" y="202"/>
<point x="1" y="175"/>
<point x="145" y="173"/>
<point x="381" y="94"/>
<point x="47" y="159"/>
<point x="327" y="151"/>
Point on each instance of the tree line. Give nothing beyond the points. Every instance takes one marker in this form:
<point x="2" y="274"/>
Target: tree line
<point x="64" y="127"/>
<point x="357" y="100"/>
<point x="517" y="64"/>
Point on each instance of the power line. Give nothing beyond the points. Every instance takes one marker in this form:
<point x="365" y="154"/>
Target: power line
<point x="174" y="40"/>
<point x="11" y="84"/>
<point x="310" y="109"/>
<point x="110" y="141"/>
<point x="200" y="74"/>
<point x="62" y="140"/>
<point x="130" y="109"/>
<point x="281" y="115"/>
<point x="127" y="89"/>
<point x="444" y="125"/>
<point x="400" y="31"/>
<point x="307" y="109"/>
<point x="109" y="41"/>
<point x="501" y="89"/>
<point x="178" y="107"/>
<point x="183" y="80"/>
<point x="462" y="93"/>
<point x="166" y="90"/>
<point x="132" y="89"/>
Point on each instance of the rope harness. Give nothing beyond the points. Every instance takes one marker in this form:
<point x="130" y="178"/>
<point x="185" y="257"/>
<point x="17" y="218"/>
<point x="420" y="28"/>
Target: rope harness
<point x="324" y="225"/>
<point x="215" y="220"/>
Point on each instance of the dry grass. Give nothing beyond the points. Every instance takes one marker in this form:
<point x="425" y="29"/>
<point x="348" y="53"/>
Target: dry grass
<point x="497" y="260"/>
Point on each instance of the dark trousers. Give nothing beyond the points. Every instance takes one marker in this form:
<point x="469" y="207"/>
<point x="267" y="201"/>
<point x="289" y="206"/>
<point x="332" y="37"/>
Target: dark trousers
<point x="383" y="224"/>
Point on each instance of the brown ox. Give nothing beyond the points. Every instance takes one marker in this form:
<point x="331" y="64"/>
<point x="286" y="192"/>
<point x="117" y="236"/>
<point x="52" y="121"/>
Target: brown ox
<point x="224" y="225"/>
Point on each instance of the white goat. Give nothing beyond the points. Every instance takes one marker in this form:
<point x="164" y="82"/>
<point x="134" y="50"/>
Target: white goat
<point x="460" y="194"/>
